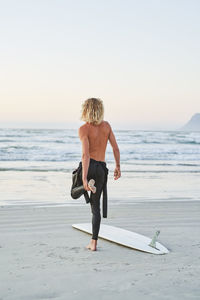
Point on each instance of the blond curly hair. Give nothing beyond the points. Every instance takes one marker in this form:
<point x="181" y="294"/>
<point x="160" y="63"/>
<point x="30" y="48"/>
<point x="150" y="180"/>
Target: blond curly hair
<point x="92" y="111"/>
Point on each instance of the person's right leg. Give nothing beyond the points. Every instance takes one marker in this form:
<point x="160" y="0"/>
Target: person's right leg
<point x="95" y="206"/>
<point x="96" y="220"/>
<point x="96" y="216"/>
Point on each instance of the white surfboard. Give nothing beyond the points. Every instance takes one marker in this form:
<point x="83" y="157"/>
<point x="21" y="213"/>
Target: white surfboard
<point x="126" y="238"/>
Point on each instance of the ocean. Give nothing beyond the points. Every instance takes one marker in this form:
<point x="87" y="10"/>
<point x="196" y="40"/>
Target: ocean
<point x="36" y="166"/>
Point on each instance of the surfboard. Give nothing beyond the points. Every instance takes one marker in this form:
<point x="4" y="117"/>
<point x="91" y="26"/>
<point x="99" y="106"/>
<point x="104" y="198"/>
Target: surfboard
<point x="126" y="238"/>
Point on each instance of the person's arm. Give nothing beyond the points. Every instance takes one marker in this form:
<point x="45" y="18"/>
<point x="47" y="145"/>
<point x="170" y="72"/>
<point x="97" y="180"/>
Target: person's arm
<point x="113" y="142"/>
<point x="85" y="155"/>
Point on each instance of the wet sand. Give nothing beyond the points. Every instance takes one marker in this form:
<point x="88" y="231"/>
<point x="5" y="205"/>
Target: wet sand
<point x="43" y="257"/>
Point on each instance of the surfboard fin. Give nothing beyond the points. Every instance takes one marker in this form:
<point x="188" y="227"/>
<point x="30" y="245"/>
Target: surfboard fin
<point x="153" y="241"/>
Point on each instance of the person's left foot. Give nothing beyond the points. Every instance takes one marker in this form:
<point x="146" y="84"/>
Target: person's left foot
<point x="91" y="185"/>
<point x="92" y="245"/>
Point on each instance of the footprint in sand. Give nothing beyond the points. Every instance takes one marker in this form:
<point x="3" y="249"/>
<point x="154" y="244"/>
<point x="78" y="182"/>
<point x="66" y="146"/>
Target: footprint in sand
<point x="76" y="249"/>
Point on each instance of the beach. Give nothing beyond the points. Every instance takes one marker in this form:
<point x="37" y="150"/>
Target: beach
<point x="43" y="257"/>
<point x="116" y="82"/>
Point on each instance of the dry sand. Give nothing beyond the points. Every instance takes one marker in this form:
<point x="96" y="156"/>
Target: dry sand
<point x="43" y="257"/>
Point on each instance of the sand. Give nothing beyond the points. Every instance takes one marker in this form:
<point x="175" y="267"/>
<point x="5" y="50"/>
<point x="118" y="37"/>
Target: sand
<point x="43" y="257"/>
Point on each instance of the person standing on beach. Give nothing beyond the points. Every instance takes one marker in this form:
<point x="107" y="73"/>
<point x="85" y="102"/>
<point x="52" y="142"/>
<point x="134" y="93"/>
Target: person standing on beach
<point x="94" y="136"/>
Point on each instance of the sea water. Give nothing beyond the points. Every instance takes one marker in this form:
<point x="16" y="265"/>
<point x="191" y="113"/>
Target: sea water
<point x="36" y="166"/>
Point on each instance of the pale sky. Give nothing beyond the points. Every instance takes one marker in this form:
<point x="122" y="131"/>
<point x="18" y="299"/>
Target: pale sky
<point x="142" y="58"/>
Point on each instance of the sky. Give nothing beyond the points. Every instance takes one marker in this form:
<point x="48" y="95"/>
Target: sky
<point x="142" y="58"/>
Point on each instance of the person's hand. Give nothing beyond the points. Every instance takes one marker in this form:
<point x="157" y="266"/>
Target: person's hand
<point x="117" y="173"/>
<point x="85" y="185"/>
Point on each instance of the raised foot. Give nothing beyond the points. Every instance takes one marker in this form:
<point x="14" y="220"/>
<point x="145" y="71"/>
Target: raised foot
<point x="92" y="245"/>
<point x="91" y="185"/>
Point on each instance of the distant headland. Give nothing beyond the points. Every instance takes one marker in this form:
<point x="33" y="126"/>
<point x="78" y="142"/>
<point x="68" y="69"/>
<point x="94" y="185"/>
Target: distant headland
<point x="193" y="124"/>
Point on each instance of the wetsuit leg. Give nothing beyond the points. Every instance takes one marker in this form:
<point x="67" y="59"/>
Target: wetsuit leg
<point x="98" y="173"/>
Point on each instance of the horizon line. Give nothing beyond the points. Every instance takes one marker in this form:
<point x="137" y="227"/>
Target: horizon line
<point x="74" y="125"/>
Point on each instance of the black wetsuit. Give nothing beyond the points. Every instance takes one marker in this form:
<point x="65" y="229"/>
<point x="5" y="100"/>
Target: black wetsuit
<point x="98" y="171"/>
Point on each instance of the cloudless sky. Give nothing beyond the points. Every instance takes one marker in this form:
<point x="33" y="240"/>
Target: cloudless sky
<point x="142" y="58"/>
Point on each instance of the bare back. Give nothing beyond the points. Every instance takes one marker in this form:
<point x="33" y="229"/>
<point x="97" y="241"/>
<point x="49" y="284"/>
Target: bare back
<point x="94" y="139"/>
<point x="98" y="136"/>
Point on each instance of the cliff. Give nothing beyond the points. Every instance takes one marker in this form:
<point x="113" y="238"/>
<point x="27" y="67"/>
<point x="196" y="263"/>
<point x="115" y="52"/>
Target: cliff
<point x="193" y="124"/>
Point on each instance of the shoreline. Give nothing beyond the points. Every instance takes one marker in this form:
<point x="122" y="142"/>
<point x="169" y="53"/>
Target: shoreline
<point x="111" y="202"/>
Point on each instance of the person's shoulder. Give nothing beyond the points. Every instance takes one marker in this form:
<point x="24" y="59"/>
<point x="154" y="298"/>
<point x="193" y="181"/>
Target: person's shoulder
<point x="83" y="130"/>
<point x="84" y="126"/>
<point x="107" y="128"/>
<point x="107" y="124"/>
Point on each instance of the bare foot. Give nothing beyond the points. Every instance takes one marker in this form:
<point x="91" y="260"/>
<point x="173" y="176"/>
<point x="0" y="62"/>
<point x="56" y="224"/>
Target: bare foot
<point x="92" y="245"/>
<point x="91" y="185"/>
